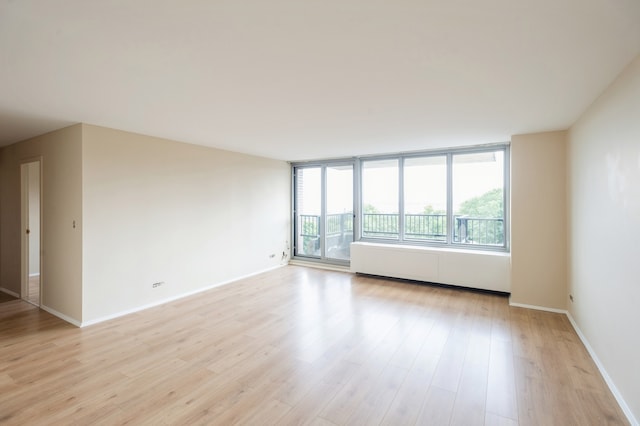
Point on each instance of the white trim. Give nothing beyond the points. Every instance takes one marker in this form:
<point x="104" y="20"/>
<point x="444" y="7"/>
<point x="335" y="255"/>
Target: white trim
<point x="34" y="275"/>
<point x="612" y="387"/>
<point x="9" y="292"/>
<point x="173" y="298"/>
<point x="537" y="308"/>
<point x="60" y="315"/>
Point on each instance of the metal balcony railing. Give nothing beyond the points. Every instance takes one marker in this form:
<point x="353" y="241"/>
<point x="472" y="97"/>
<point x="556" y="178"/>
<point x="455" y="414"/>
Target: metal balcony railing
<point x="380" y="225"/>
<point x="337" y="224"/>
<point x="479" y="230"/>
<point x="339" y="234"/>
<point x="418" y="227"/>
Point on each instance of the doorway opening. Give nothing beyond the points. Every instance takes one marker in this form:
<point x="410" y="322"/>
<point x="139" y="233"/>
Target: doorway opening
<point x="31" y="202"/>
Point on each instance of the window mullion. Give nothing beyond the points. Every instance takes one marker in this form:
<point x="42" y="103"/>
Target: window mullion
<point x="357" y="196"/>
<point x="506" y="211"/>
<point x="323" y="211"/>
<point x="450" y="221"/>
<point x="401" y="198"/>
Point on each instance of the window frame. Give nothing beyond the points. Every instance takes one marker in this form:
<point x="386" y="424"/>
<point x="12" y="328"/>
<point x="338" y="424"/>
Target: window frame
<point x="360" y="200"/>
<point x="403" y="213"/>
<point x="448" y="243"/>
<point x="323" y="166"/>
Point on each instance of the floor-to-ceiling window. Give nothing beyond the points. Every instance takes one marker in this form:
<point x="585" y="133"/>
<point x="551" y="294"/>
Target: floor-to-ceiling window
<point x="446" y="198"/>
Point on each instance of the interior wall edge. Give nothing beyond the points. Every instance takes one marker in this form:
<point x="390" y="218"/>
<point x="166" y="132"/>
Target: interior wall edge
<point x="538" y="239"/>
<point x="537" y="308"/>
<point x="67" y="318"/>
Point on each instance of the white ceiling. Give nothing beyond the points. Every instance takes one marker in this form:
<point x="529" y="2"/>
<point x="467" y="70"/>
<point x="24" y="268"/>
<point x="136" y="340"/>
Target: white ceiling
<point x="294" y="80"/>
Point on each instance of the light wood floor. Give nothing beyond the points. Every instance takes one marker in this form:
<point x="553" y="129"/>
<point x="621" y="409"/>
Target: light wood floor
<point x="4" y="297"/>
<point x="304" y="346"/>
<point x="34" y="290"/>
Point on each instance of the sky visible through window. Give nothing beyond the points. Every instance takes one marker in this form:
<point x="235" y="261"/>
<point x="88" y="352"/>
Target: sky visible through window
<point x="425" y="183"/>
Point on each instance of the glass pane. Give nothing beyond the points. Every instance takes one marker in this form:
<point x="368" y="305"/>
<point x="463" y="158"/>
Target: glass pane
<point x="478" y="198"/>
<point x="308" y="197"/>
<point x="380" y="205"/>
<point x="425" y="198"/>
<point x="339" y="224"/>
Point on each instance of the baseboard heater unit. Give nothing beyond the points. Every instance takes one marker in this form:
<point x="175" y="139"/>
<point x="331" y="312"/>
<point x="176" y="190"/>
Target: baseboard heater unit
<point x="463" y="268"/>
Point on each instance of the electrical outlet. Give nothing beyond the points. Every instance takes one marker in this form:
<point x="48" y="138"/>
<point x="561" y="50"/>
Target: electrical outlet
<point x="158" y="284"/>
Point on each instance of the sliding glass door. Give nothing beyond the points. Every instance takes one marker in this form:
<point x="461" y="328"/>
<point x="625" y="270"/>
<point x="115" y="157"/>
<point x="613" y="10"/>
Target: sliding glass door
<point x="323" y="212"/>
<point x="308" y="208"/>
<point x="339" y="212"/>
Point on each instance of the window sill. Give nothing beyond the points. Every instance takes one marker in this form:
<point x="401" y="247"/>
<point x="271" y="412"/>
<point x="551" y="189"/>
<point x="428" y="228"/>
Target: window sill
<point x="406" y="245"/>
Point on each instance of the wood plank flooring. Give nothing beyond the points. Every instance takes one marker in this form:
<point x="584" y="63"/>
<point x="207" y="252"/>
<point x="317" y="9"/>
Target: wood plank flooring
<point x="304" y="346"/>
<point x="34" y="290"/>
<point x="4" y="297"/>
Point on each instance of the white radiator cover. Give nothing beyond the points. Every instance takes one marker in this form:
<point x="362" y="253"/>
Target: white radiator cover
<point x="465" y="268"/>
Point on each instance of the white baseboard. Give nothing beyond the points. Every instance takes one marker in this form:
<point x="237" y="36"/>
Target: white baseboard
<point x="61" y="316"/>
<point x="173" y="298"/>
<point x="34" y="275"/>
<point x="9" y="292"/>
<point x="537" y="308"/>
<point x="612" y="387"/>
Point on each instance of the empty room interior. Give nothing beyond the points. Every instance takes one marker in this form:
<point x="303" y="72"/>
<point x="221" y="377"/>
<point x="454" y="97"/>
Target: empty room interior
<point x="328" y="213"/>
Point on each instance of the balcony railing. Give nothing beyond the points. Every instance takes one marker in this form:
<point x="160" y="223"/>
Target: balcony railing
<point x="380" y="225"/>
<point x="337" y="224"/>
<point x="418" y="227"/>
<point x="479" y="230"/>
<point x="339" y="234"/>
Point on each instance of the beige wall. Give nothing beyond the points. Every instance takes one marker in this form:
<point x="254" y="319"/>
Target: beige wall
<point x="61" y="154"/>
<point x="604" y="202"/>
<point x="2" y="204"/>
<point x="538" y="220"/>
<point x="161" y="211"/>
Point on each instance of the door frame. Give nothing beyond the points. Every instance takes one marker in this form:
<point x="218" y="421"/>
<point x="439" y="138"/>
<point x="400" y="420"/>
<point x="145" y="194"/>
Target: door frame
<point x="322" y="258"/>
<point x="24" y="225"/>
